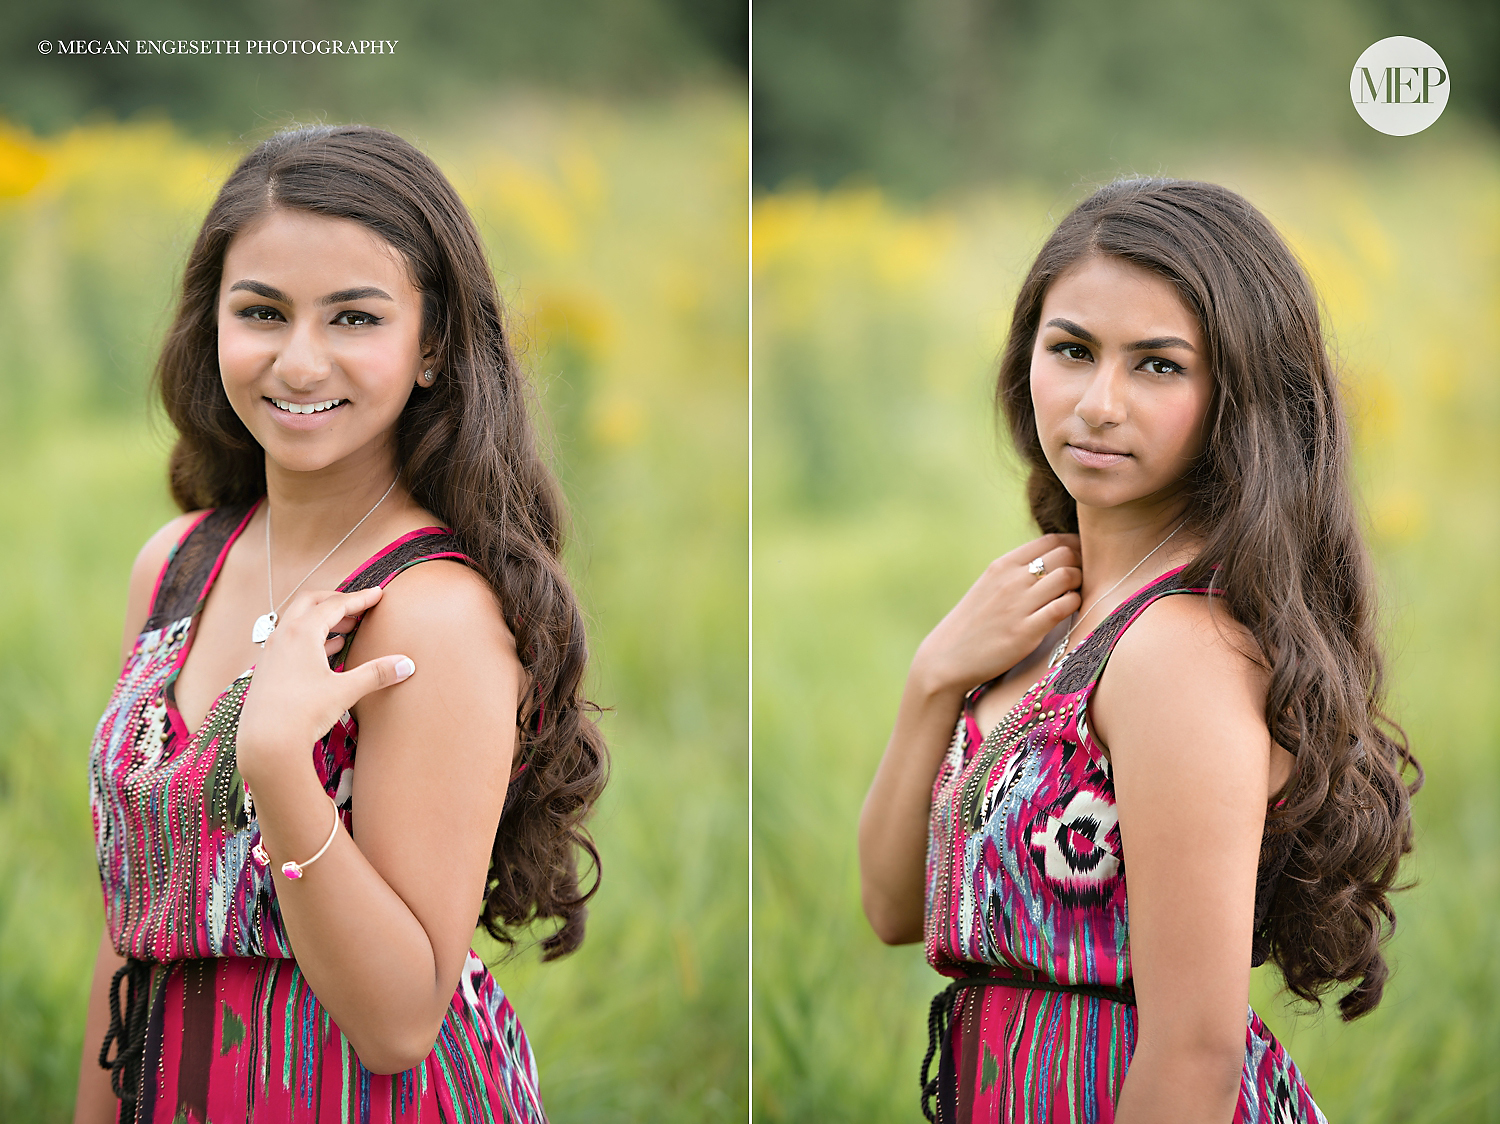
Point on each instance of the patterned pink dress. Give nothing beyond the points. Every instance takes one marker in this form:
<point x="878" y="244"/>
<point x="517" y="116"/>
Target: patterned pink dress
<point x="1026" y="884"/>
<point x="224" y="1027"/>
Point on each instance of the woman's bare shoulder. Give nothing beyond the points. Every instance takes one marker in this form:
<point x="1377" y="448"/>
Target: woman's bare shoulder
<point x="444" y="617"/>
<point x="1183" y="654"/>
<point x="438" y="603"/>
<point x="1189" y="635"/>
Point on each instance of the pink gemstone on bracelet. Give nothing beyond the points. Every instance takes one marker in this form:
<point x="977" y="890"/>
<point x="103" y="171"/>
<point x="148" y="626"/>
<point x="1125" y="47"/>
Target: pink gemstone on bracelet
<point x="258" y="853"/>
<point x="291" y="870"/>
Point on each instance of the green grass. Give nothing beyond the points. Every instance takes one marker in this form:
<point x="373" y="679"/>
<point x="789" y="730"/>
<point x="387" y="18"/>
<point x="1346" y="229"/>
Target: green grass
<point x="619" y="238"/>
<point x="880" y="495"/>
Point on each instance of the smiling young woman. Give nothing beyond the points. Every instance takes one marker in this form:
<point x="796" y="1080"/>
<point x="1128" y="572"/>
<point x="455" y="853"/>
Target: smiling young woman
<point x="367" y="574"/>
<point x="1167" y="383"/>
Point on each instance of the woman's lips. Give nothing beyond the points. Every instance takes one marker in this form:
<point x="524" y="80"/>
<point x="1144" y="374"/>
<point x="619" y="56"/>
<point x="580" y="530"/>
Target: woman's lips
<point x="302" y="421"/>
<point x="1095" y="458"/>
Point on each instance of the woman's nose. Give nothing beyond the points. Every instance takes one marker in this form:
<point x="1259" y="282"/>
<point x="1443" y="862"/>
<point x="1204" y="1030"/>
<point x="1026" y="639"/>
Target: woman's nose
<point x="303" y="360"/>
<point x="1103" y="402"/>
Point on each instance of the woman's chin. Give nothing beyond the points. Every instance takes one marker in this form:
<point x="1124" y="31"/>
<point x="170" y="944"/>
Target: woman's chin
<point x="1098" y="493"/>
<point x="302" y="458"/>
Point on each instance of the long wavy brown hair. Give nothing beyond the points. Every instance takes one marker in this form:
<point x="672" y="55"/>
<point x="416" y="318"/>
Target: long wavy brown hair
<point x="467" y="453"/>
<point x="1271" y="501"/>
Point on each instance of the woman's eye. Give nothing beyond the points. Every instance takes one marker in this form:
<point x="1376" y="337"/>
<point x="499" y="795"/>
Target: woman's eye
<point x="1161" y="366"/>
<point x="354" y="319"/>
<point x="259" y="312"/>
<point x="1071" y="350"/>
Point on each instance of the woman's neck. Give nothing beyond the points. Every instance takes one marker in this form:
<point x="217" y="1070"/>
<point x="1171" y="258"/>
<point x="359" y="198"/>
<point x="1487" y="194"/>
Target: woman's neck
<point x="1141" y="542"/>
<point x="313" y="510"/>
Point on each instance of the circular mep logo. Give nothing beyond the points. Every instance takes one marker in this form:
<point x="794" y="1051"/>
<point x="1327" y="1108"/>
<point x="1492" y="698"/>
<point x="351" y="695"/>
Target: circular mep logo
<point x="1399" y="86"/>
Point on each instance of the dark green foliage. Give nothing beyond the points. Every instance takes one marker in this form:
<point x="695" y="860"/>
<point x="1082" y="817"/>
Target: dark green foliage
<point x="923" y="94"/>
<point x="447" y="55"/>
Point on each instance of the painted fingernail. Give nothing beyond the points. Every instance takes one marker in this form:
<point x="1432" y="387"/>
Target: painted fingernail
<point x="404" y="668"/>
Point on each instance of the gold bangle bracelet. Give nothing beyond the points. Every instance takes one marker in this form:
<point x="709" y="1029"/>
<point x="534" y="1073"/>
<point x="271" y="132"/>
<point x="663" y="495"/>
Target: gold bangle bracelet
<point x="293" y="870"/>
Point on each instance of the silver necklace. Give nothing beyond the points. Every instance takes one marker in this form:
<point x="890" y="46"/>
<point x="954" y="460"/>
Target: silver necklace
<point x="1059" y="652"/>
<point x="265" y="624"/>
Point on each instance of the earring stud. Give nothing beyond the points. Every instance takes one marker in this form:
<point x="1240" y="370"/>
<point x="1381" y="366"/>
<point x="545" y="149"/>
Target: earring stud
<point x="427" y="376"/>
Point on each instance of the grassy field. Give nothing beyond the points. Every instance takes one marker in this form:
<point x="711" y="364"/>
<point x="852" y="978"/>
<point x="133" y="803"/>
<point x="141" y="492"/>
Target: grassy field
<point x="619" y="238"/>
<point x="881" y="492"/>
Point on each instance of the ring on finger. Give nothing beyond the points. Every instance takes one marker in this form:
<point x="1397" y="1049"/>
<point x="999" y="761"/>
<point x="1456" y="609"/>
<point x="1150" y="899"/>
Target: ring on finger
<point x="1037" y="567"/>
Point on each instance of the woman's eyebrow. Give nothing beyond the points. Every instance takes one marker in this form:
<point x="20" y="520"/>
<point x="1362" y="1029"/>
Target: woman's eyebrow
<point x="1074" y="330"/>
<point x="261" y="289"/>
<point x="1155" y="343"/>
<point x="343" y="296"/>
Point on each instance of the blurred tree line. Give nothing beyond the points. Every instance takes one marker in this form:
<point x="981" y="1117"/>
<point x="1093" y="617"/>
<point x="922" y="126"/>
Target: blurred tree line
<point x="447" y="54"/>
<point x="921" y="94"/>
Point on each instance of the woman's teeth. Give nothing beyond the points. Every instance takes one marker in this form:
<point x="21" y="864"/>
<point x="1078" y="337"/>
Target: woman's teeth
<point x="305" y="407"/>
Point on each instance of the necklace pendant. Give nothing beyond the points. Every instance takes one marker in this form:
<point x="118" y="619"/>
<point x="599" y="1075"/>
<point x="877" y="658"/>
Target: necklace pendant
<point x="265" y="624"/>
<point x="1058" y="653"/>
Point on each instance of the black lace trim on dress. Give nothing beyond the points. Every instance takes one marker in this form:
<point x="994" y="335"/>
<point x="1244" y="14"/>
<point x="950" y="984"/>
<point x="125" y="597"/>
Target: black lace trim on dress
<point x="1085" y="663"/>
<point x="425" y="546"/>
<point x="419" y="549"/>
<point x="187" y="572"/>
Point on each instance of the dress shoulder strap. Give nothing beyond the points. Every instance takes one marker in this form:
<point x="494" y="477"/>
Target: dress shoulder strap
<point x="1085" y="663"/>
<point x="190" y="564"/>
<point x="422" y="545"/>
<point x="1081" y="672"/>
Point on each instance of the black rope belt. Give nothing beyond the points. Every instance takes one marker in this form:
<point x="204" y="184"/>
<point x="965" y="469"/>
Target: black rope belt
<point x="128" y="1034"/>
<point x="940" y="1030"/>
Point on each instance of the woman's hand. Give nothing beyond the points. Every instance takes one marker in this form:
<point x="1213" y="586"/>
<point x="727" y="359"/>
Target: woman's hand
<point x="1002" y="618"/>
<point x="381" y="924"/>
<point x="294" y="697"/>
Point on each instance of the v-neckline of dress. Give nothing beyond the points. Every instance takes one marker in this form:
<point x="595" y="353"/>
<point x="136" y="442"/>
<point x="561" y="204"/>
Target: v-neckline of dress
<point x="169" y="687"/>
<point x="972" y="698"/>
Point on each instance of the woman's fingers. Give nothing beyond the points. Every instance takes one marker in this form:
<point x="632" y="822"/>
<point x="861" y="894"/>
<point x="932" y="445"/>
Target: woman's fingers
<point x="373" y="675"/>
<point x="335" y="605"/>
<point x="295" y="695"/>
<point x="1055" y="611"/>
<point x="1006" y="612"/>
<point x="327" y="611"/>
<point x="1060" y="557"/>
<point x="1055" y="583"/>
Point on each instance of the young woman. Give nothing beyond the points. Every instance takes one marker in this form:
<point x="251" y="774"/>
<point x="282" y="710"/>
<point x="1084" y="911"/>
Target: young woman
<point x="293" y="863"/>
<point x="1167" y="384"/>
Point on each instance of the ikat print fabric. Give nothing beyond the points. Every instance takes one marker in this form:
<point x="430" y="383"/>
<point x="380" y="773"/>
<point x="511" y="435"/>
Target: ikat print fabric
<point x="1026" y="878"/>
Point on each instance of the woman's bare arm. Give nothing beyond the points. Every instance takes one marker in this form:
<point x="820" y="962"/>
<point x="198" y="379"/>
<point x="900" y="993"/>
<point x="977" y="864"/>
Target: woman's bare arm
<point x="381" y="924"/>
<point x="1000" y="620"/>
<point x="893" y="821"/>
<point x="1181" y="708"/>
<point x="96" y="1100"/>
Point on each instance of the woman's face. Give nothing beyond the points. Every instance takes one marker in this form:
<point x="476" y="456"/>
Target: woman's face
<point x="1120" y="384"/>
<point x="319" y="340"/>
